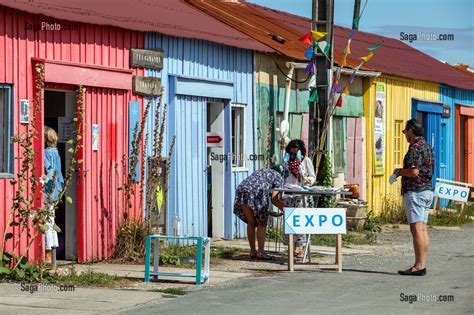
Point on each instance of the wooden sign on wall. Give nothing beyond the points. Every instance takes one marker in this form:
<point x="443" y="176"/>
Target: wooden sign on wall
<point x="149" y="86"/>
<point x="143" y="58"/>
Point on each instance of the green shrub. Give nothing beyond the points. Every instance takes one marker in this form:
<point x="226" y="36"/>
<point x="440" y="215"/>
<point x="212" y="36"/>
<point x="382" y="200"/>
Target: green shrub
<point x="325" y="179"/>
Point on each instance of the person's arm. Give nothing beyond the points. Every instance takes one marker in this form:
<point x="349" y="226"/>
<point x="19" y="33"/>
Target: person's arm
<point x="277" y="201"/>
<point x="311" y="178"/>
<point x="414" y="162"/>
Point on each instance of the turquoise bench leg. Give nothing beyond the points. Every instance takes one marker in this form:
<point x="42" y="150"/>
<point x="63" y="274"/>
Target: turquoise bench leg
<point x="199" y="262"/>
<point x="147" y="258"/>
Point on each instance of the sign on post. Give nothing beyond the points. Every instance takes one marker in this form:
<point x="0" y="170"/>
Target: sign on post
<point x="315" y="221"/>
<point x="451" y="192"/>
<point x="215" y="139"/>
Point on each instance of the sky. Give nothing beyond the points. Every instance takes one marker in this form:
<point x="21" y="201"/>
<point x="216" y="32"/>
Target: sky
<point x="391" y="18"/>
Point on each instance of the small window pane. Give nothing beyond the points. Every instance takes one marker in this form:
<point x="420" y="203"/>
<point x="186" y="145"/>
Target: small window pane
<point x="238" y="136"/>
<point x="6" y="127"/>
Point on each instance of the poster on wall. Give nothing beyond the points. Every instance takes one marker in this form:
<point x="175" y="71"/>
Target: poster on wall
<point x="379" y="129"/>
<point x="95" y="137"/>
<point x="24" y="112"/>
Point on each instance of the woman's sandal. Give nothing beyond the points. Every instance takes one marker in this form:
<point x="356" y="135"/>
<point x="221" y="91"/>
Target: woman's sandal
<point x="263" y="256"/>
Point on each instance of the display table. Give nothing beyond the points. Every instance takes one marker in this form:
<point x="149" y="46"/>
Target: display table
<point x="316" y="194"/>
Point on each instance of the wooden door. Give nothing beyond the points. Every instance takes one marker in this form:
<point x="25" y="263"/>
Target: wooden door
<point x="354" y="153"/>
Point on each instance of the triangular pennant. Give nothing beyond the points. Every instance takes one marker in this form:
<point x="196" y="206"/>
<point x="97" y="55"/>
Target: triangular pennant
<point x="306" y="38"/>
<point x="314" y="96"/>
<point x="336" y="89"/>
<point x="374" y="48"/>
<point x="351" y="34"/>
<point x="348" y="48"/>
<point x="343" y="63"/>
<point x="352" y="77"/>
<point x="356" y="21"/>
<point x="367" y="58"/>
<point x="309" y="53"/>
<point x="309" y="68"/>
<point x="318" y="35"/>
<point x="346" y="90"/>
<point x="324" y="47"/>
<point x="339" y="101"/>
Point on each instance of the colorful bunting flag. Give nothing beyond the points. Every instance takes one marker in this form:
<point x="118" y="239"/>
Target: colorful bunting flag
<point x="324" y="47"/>
<point x="336" y="89"/>
<point x="346" y="90"/>
<point x="374" y="48"/>
<point x="309" y="53"/>
<point x="351" y="34"/>
<point x="367" y="58"/>
<point x="352" y="77"/>
<point x="306" y="38"/>
<point x="348" y="48"/>
<point x="318" y="35"/>
<point x="356" y="21"/>
<point x="309" y="68"/>
<point x="339" y="101"/>
<point x="314" y="97"/>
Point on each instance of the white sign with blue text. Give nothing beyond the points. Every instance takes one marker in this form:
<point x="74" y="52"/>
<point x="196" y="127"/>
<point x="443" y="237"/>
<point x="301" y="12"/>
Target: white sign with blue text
<point x="315" y="221"/>
<point x="451" y="192"/>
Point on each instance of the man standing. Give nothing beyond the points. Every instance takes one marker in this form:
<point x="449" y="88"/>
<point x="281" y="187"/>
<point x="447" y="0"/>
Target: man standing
<point x="417" y="173"/>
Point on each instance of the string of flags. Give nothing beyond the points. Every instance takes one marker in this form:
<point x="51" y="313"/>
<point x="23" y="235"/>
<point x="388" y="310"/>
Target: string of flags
<point x="317" y="44"/>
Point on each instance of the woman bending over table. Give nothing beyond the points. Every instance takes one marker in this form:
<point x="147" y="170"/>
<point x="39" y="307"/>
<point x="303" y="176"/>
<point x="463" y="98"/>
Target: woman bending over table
<point x="252" y="201"/>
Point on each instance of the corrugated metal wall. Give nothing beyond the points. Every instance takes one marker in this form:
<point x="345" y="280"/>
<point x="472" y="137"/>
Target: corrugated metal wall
<point x="205" y="60"/>
<point x="398" y="96"/>
<point x="452" y="96"/>
<point x="89" y="44"/>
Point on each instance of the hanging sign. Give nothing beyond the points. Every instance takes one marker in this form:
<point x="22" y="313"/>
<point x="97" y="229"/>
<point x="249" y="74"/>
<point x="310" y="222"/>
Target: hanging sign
<point x="149" y="86"/>
<point x="144" y="58"/>
<point x="446" y="111"/>
<point x="379" y="129"/>
<point x="315" y="221"/>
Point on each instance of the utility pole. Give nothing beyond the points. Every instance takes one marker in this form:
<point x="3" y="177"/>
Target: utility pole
<point x="322" y="21"/>
<point x="356" y="14"/>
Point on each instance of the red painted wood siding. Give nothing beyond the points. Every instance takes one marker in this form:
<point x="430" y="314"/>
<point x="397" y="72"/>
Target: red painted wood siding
<point x="97" y="45"/>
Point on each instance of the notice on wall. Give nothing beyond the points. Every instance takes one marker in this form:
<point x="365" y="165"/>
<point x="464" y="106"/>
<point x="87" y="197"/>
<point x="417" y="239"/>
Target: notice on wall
<point x="379" y="129"/>
<point x="24" y="111"/>
<point x="95" y="137"/>
<point x="66" y="129"/>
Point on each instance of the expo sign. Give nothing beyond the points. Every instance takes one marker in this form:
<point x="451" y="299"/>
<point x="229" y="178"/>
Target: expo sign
<point x="451" y="192"/>
<point x="315" y="221"/>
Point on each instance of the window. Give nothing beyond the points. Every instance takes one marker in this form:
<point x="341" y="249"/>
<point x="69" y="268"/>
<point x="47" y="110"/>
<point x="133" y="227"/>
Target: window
<point x="397" y="142"/>
<point x="238" y="136"/>
<point x="442" y="147"/>
<point x="6" y="130"/>
<point x="338" y="144"/>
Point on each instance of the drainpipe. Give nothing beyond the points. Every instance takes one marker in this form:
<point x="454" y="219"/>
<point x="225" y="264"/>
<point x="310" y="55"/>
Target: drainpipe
<point x="289" y="76"/>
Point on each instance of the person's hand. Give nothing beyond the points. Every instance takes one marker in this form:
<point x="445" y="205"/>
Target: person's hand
<point x="397" y="171"/>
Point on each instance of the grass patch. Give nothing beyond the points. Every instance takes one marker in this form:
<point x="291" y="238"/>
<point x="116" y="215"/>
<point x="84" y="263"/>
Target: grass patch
<point x="87" y="278"/>
<point x="181" y="255"/>
<point x="173" y="291"/>
<point x="352" y="238"/>
<point x="393" y="211"/>
<point x="448" y="218"/>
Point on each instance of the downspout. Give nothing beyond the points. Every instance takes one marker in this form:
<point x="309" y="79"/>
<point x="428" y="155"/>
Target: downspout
<point x="286" y="110"/>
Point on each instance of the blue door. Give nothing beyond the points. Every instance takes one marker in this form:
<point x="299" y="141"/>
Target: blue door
<point x="429" y="114"/>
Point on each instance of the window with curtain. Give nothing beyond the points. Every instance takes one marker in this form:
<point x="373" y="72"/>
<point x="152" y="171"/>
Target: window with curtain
<point x="338" y="143"/>
<point x="398" y="143"/>
<point x="6" y="130"/>
<point x="238" y="136"/>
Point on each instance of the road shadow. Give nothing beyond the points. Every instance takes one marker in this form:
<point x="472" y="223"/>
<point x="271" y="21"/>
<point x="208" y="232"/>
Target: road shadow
<point x="371" y="271"/>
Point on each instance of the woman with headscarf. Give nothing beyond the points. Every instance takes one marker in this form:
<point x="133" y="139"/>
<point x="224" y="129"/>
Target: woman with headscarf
<point x="252" y="202"/>
<point x="301" y="172"/>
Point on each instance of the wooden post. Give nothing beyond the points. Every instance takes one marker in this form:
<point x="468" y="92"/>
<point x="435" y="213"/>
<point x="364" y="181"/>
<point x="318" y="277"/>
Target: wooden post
<point x="339" y="252"/>
<point x="290" y="253"/>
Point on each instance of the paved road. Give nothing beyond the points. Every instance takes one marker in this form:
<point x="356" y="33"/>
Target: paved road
<point x="368" y="284"/>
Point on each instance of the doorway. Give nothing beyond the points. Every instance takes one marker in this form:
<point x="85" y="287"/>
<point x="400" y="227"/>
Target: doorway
<point x="216" y="171"/>
<point x="59" y="111"/>
<point x="464" y="122"/>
